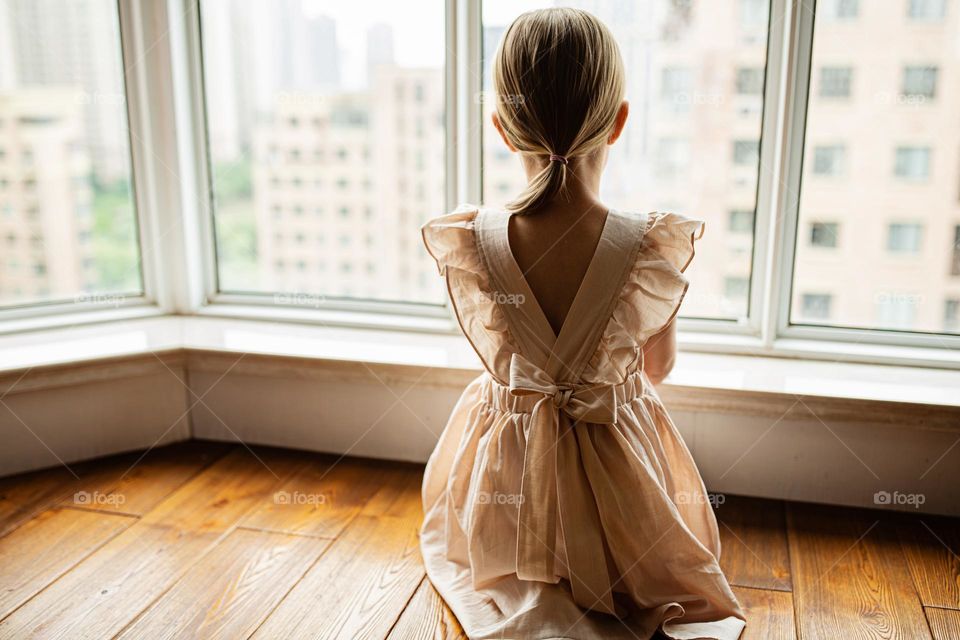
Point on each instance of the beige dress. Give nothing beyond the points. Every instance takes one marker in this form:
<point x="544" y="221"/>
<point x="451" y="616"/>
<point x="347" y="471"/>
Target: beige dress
<point x="561" y="501"/>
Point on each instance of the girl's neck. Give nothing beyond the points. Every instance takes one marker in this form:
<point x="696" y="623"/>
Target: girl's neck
<point x="583" y="182"/>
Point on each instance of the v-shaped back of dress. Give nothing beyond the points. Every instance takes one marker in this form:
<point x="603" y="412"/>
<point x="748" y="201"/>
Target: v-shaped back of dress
<point x="562" y="356"/>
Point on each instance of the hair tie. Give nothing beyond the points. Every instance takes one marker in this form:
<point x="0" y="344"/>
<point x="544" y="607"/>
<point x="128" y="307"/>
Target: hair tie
<point x="557" y="158"/>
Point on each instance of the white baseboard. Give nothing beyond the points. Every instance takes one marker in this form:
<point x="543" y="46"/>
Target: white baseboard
<point x="764" y="446"/>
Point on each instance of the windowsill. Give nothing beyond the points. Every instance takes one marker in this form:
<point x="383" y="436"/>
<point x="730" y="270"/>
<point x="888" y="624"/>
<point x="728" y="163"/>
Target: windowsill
<point x="452" y="362"/>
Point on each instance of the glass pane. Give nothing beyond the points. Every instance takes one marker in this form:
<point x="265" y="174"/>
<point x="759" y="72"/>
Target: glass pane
<point x="695" y="77"/>
<point x="879" y="224"/>
<point x="326" y="130"/>
<point x="68" y="228"/>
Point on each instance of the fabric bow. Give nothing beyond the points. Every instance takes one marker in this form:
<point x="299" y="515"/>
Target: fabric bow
<point x="547" y="494"/>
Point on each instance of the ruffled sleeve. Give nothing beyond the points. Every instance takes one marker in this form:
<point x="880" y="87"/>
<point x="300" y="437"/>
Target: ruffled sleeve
<point x="651" y="296"/>
<point x="451" y="241"/>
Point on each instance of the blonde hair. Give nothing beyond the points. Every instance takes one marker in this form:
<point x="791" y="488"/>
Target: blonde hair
<point x="559" y="82"/>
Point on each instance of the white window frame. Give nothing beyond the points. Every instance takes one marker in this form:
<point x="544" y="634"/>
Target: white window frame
<point x="164" y="83"/>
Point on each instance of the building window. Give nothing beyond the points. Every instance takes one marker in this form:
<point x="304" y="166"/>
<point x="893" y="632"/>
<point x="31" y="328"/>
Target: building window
<point x="835" y="82"/>
<point x="676" y="86"/>
<point x="896" y="310"/>
<point x="904" y="237"/>
<point x="838" y="9"/>
<point x="750" y="81"/>
<point x="824" y="234"/>
<point x="955" y="252"/>
<point x="951" y="315"/>
<point x="828" y="160"/>
<point x="816" y="306"/>
<point x="912" y="163"/>
<point x="920" y="82"/>
<point x="931" y="10"/>
<point x="740" y="221"/>
<point x="746" y="152"/>
<point x="736" y="288"/>
<point x="753" y="13"/>
<point x="673" y="157"/>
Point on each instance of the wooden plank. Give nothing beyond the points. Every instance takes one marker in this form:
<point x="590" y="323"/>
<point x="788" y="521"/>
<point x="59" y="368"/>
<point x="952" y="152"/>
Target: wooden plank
<point x="102" y="594"/>
<point x="360" y="586"/>
<point x="753" y="539"/>
<point x="46" y="547"/>
<point x="321" y="498"/>
<point x="25" y="495"/>
<point x="159" y="472"/>
<point x="137" y="482"/>
<point x="399" y="494"/>
<point x="427" y="617"/>
<point x="850" y="579"/>
<point x="232" y="589"/>
<point x="944" y="623"/>
<point x="932" y="548"/>
<point x="769" y="614"/>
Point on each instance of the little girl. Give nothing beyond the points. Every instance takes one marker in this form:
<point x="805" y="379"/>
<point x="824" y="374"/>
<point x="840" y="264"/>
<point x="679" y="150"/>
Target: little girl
<point x="561" y="501"/>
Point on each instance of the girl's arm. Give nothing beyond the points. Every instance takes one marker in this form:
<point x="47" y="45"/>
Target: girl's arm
<point x="660" y="352"/>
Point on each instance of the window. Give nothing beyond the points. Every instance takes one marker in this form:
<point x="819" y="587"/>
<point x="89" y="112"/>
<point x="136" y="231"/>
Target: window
<point x="816" y="306"/>
<point x="838" y="9"/>
<point x="920" y="82"/>
<point x="673" y="157"/>
<point x="955" y="252"/>
<point x="890" y="269"/>
<point x="746" y="152"/>
<point x="824" y="234"/>
<point x="927" y="9"/>
<point x="678" y="81"/>
<point x="897" y="310"/>
<point x="66" y="159"/>
<point x="750" y="81"/>
<point x="349" y="90"/>
<point x="951" y="315"/>
<point x="740" y="221"/>
<point x="912" y="163"/>
<point x="676" y="86"/>
<point x="904" y="237"/>
<point x="835" y="82"/>
<point x="828" y="160"/>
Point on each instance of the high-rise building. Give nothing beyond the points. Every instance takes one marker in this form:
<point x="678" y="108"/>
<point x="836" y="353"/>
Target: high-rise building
<point x="46" y="217"/>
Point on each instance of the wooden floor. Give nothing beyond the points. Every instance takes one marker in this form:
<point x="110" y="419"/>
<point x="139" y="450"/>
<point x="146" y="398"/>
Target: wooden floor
<point x="209" y="540"/>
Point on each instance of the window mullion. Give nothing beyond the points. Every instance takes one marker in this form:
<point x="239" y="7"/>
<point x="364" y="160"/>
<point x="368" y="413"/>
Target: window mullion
<point x="792" y="110"/>
<point x="152" y="34"/>
<point x="469" y="100"/>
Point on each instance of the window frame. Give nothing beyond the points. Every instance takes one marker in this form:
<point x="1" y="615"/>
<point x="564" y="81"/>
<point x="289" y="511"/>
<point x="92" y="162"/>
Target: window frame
<point x="56" y="311"/>
<point x="799" y="89"/>
<point x="163" y="80"/>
